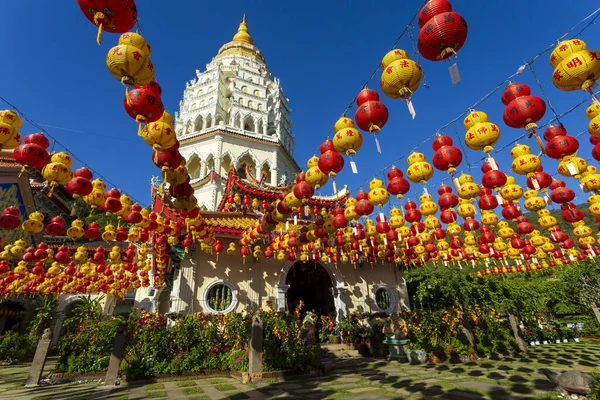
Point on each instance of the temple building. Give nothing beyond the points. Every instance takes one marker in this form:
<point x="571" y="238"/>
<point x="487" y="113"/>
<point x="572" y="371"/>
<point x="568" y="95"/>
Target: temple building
<point x="235" y="132"/>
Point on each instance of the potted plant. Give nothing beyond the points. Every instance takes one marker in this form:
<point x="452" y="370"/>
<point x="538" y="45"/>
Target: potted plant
<point x="329" y="330"/>
<point x="528" y="336"/>
<point x="576" y="333"/>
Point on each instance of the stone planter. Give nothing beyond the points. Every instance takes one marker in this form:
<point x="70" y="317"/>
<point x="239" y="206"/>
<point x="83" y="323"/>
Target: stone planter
<point x="532" y="343"/>
<point x="565" y="340"/>
<point x="334" y="340"/>
<point x="537" y="342"/>
<point x="576" y="339"/>
<point x="557" y="340"/>
<point x="545" y="342"/>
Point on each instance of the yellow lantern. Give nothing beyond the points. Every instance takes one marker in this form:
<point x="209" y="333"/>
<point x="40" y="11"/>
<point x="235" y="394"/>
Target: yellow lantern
<point x="533" y="202"/>
<point x="572" y="166"/>
<point x="401" y="76"/>
<point x="109" y="233"/>
<point x="546" y="220"/>
<point x="524" y="162"/>
<point x="576" y="68"/>
<point x="488" y="218"/>
<point x="34" y="223"/>
<point x="129" y="63"/>
<point x="159" y="135"/>
<point x="419" y="170"/>
<point x="428" y="207"/>
<point x="347" y="141"/>
<point x="10" y="122"/>
<point x="511" y="191"/>
<point x="465" y="209"/>
<point x="396" y="220"/>
<point x="76" y="230"/>
<point x="481" y="134"/>
<point x="378" y="195"/>
<point x="315" y="177"/>
<point x="58" y="171"/>
<point x="468" y="189"/>
<point x="343" y="123"/>
<point x="291" y="201"/>
<point x="97" y="197"/>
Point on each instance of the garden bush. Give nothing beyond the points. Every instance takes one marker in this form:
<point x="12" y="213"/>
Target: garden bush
<point x="15" y="346"/>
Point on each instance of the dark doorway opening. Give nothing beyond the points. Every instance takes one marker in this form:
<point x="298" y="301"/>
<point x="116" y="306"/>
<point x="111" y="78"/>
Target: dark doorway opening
<point x="310" y="283"/>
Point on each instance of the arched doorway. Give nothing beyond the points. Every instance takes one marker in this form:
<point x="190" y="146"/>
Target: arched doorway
<point x="12" y="315"/>
<point x="311" y="283"/>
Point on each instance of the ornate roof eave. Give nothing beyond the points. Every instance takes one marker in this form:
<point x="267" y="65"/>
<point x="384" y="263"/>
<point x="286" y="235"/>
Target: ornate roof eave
<point x="229" y="132"/>
<point x="253" y="187"/>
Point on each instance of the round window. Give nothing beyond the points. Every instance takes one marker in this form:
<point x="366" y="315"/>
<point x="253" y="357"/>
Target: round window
<point x="383" y="298"/>
<point x="221" y="297"/>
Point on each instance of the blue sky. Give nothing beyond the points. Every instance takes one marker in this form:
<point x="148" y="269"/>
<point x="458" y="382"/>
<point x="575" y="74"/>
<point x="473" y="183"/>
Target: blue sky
<point x="323" y="52"/>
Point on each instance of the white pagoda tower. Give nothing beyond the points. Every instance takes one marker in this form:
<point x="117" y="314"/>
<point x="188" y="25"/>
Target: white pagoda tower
<point x="235" y="115"/>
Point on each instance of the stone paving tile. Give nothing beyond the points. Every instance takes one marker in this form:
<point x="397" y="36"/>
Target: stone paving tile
<point x="363" y="389"/>
<point x="341" y="386"/>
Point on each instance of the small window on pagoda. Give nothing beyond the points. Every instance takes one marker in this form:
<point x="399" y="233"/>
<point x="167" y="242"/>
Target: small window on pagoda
<point x="259" y="107"/>
<point x="241" y="101"/>
<point x="200" y="92"/>
<point x="256" y="93"/>
<point x="245" y="89"/>
<point x="220" y="297"/>
<point x="201" y="103"/>
<point x="250" y="104"/>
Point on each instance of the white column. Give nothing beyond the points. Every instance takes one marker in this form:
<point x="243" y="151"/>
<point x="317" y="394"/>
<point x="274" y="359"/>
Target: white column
<point x="182" y="295"/>
<point x="340" y="294"/>
<point x="281" y="297"/>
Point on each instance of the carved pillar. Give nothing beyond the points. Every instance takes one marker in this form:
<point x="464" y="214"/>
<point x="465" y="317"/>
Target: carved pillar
<point x="39" y="359"/>
<point x="264" y="126"/>
<point x="281" y="296"/>
<point x="273" y="177"/>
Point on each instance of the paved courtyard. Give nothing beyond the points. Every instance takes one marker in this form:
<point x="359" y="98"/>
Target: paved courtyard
<point x="510" y="378"/>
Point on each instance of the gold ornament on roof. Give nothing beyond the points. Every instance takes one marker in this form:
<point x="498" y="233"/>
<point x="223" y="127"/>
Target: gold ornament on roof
<point x="242" y="34"/>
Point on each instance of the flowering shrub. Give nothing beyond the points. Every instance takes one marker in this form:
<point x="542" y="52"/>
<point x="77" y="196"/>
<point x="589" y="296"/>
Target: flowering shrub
<point x="328" y="327"/>
<point x="284" y="342"/>
<point x="87" y="347"/>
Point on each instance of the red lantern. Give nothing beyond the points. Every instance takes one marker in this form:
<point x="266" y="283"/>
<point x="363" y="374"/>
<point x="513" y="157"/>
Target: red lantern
<point x="331" y="162"/>
<point x="10" y="218"/>
<point x="326" y="145"/>
<point x="442" y="33"/>
<point x="32" y="154"/>
<point x="303" y="190"/>
<point x="553" y="131"/>
<point x="561" y="146"/>
<point x="446" y="157"/>
<point x="115" y="16"/>
<point x="541" y="178"/>
<point x="493" y="179"/>
<point x="371" y="114"/>
<point x="363" y="207"/>
<point x="170" y="158"/>
<point x="144" y="104"/>
<point x="523" y="110"/>
<point x="448" y="200"/>
<point x="394" y="172"/>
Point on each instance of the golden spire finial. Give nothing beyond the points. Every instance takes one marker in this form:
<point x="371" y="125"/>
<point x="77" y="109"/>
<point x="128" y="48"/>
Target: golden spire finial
<point x="242" y="34"/>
